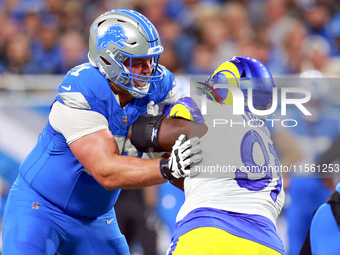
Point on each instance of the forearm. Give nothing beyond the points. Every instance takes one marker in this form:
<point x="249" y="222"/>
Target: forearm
<point x="126" y="172"/>
<point x="172" y="128"/>
<point x="99" y="154"/>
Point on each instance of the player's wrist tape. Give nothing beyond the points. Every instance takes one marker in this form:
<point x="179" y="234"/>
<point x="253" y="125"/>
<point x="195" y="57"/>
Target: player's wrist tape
<point x="165" y="170"/>
<point x="144" y="133"/>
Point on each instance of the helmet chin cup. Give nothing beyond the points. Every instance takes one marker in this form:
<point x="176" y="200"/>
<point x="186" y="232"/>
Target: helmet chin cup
<point x="127" y="84"/>
<point x="136" y="94"/>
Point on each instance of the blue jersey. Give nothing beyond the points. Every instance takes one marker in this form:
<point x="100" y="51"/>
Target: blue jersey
<point x="51" y="168"/>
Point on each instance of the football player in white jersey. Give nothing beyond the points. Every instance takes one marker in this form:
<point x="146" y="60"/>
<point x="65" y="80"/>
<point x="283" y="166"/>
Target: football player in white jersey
<point x="231" y="206"/>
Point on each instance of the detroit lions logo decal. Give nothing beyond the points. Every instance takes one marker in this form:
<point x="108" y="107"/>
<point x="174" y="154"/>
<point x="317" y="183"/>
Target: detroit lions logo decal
<point x="115" y="34"/>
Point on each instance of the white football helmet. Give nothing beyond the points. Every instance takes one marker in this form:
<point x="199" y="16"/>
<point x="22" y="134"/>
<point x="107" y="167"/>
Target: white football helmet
<point x="122" y="34"/>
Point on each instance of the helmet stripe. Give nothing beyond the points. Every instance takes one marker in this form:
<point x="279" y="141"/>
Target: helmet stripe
<point x="147" y="26"/>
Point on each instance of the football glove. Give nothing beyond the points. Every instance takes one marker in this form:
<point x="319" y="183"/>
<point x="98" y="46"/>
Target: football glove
<point x="152" y="108"/>
<point x="183" y="154"/>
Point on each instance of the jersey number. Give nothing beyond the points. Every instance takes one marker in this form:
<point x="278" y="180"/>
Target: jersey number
<point x="78" y="69"/>
<point x="242" y="177"/>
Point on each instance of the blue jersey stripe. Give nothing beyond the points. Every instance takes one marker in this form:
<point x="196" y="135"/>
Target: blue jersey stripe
<point x="148" y="28"/>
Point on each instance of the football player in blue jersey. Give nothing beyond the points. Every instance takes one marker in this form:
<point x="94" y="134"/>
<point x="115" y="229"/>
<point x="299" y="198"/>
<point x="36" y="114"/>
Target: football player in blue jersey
<point x="324" y="233"/>
<point x="313" y="135"/>
<point x="62" y="200"/>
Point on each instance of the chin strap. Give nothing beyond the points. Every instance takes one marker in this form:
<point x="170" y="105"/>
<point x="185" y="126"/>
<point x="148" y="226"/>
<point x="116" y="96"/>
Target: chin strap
<point x="112" y="87"/>
<point x="135" y="94"/>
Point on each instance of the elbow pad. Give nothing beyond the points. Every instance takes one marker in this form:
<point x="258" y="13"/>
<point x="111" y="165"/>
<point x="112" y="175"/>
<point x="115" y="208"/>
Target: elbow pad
<point x="144" y="133"/>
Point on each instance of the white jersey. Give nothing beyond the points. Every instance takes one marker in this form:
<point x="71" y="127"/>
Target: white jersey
<point x="239" y="171"/>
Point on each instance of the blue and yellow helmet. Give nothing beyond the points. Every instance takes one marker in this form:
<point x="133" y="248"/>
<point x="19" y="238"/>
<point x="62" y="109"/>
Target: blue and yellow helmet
<point x="244" y="73"/>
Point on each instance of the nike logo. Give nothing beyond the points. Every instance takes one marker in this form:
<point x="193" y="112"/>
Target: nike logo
<point x="67" y="88"/>
<point x="108" y="222"/>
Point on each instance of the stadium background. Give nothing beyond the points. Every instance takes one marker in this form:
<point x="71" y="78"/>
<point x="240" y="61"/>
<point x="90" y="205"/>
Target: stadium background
<point x="40" y="40"/>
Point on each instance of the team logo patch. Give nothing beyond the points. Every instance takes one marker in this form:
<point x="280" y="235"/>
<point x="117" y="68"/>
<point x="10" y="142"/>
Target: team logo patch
<point x="114" y="34"/>
<point x="36" y="205"/>
<point x="124" y="120"/>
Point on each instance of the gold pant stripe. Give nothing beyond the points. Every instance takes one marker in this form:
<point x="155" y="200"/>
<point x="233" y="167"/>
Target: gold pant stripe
<point x="214" y="241"/>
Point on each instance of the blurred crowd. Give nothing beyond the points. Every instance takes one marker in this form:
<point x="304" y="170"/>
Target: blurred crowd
<point x="289" y="36"/>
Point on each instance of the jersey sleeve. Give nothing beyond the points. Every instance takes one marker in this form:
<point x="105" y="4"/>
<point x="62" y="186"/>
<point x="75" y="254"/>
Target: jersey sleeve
<point x="73" y="123"/>
<point x="166" y="90"/>
<point x="82" y="103"/>
<point x="85" y="88"/>
<point x="171" y="96"/>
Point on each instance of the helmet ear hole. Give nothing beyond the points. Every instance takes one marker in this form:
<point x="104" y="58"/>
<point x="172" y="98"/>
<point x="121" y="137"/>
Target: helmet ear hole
<point x="243" y="75"/>
<point x="101" y="22"/>
<point x="105" y="61"/>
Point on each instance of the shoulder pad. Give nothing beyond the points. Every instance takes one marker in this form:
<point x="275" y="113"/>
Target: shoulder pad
<point x="186" y="108"/>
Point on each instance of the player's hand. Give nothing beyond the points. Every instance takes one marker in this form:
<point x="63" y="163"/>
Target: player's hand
<point x="152" y="108"/>
<point x="183" y="154"/>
